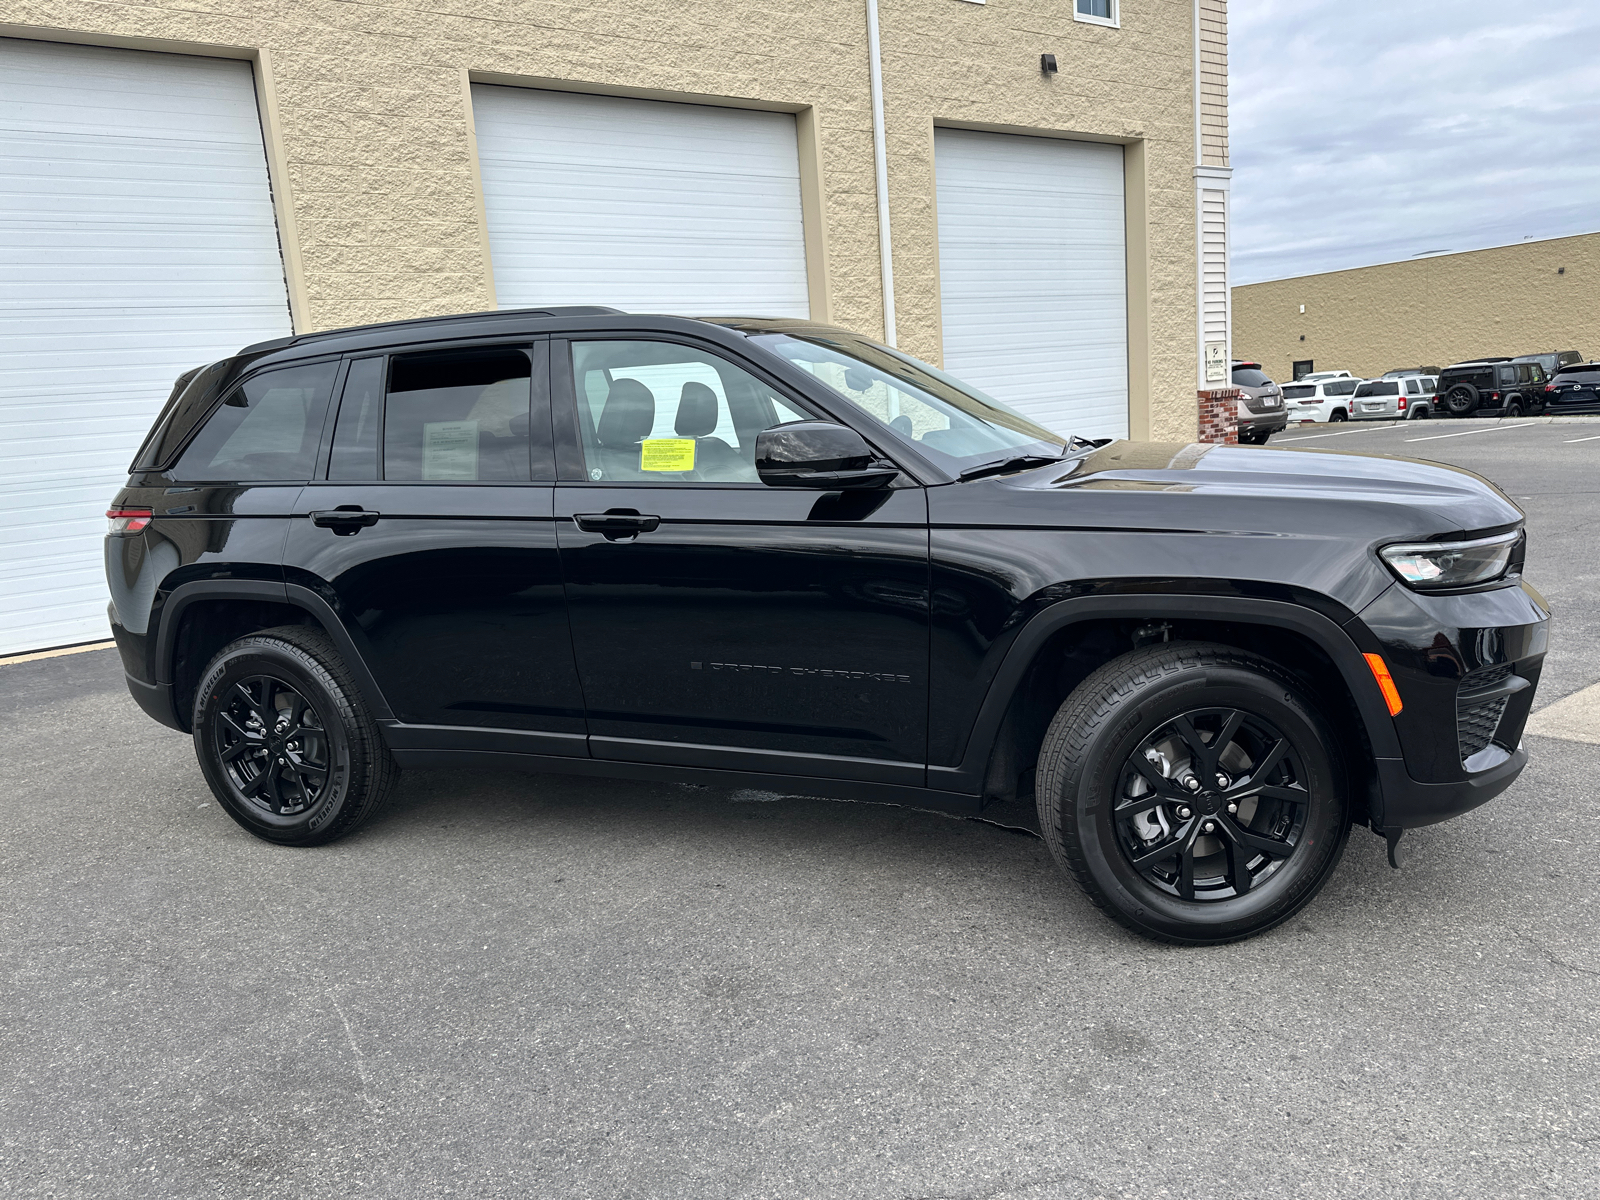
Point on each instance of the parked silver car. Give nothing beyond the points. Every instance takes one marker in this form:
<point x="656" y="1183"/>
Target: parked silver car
<point x="1377" y="400"/>
<point x="1261" y="412"/>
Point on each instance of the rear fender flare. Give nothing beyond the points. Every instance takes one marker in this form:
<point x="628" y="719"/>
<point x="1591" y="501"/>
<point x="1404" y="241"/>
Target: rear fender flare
<point x="304" y="598"/>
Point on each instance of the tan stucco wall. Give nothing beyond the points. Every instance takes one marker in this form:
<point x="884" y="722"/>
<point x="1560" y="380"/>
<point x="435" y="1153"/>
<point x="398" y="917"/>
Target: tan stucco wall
<point x="369" y="126"/>
<point x="1429" y="312"/>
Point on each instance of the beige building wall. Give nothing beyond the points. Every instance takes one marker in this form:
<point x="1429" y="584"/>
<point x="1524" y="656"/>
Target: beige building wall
<point x="1529" y="298"/>
<point x="369" y="128"/>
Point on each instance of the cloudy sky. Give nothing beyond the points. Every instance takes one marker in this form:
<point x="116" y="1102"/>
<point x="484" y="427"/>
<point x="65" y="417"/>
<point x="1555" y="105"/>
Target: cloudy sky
<point x="1368" y="131"/>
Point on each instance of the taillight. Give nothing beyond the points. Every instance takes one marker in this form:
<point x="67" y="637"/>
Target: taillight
<point x="1549" y="387"/>
<point x="124" y="521"/>
<point x="1402" y="404"/>
<point x="1494" y="395"/>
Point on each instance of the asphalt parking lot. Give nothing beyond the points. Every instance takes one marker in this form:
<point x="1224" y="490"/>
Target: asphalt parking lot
<point x="521" y="986"/>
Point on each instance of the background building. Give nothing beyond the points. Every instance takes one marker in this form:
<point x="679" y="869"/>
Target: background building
<point x="1530" y="298"/>
<point x="182" y="179"/>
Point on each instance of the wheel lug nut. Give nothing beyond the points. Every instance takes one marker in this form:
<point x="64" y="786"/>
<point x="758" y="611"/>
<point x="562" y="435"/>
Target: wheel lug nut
<point x="1185" y="812"/>
<point x="1210" y="825"/>
<point x="1222" y="781"/>
<point x="1192" y="784"/>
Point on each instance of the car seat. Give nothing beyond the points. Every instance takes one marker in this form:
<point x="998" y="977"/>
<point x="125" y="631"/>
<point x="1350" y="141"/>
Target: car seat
<point x="626" y="419"/>
<point x="714" y="459"/>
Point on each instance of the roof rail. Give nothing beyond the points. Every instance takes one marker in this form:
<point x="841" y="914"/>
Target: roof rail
<point x="554" y="310"/>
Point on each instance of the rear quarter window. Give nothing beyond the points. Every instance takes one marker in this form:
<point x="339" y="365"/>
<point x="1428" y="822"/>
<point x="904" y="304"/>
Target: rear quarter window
<point x="267" y="428"/>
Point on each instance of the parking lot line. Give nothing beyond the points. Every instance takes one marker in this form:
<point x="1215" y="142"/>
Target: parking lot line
<point x="1341" y="433"/>
<point x="1595" y="438"/>
<point x="1433" y="437"/>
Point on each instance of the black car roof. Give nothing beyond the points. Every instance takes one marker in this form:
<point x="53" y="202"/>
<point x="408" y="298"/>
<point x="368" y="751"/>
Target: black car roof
<point x="423" y="324"/>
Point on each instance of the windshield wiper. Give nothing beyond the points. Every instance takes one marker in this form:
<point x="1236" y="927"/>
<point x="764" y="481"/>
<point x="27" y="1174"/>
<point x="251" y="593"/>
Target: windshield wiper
<point x="1017" y="462"/>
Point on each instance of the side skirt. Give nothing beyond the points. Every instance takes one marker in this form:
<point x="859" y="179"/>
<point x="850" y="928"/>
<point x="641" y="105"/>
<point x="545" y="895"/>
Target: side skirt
<point x="954" y="803"/>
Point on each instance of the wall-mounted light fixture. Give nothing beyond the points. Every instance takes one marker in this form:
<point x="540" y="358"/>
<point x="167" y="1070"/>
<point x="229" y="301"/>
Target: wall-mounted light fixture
<point x="1047" y="63"/>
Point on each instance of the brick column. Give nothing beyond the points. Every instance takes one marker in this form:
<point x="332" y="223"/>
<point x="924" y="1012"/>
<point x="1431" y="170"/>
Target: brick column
<point x="1219" y="415"/>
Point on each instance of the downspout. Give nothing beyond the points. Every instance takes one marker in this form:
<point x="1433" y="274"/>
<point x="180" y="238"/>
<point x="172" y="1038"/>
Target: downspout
<point x="880" y="162"/>
<point x="1199" y="221"/>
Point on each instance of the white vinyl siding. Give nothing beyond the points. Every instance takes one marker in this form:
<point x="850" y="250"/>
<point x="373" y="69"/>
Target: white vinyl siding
<point x="137" y="240"/>
<point x="1214" y="266"/>
<point x="1033" y="275"/>
<point x="641" y="204"/>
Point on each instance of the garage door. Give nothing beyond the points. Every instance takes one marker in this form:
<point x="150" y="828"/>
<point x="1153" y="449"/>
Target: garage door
<point x="137" y="239"/>
<point x="1033" y="275"/>
<point x="648" y="206"/>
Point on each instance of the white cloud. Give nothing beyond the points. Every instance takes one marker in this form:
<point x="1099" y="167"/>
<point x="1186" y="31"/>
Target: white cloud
<point x="1367" y="131"/>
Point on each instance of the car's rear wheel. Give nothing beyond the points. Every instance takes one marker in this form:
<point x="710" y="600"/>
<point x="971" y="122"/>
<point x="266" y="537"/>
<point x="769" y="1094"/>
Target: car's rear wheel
<point x="1461" y="400"/>
<point x="1514" y="409"/>
<point x="1195" y="793"/>
<point x="285" y="740"/>
<point x="1338" y="414"/>
<point x="1420" y="413"/>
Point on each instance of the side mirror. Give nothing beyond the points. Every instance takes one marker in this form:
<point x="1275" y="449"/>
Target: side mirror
<point x="818" y="454"/>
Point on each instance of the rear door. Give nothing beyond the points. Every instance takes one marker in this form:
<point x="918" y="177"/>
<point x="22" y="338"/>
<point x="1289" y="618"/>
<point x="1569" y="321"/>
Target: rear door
<point x="433" y="537"/>
<point x="717" y="621"/>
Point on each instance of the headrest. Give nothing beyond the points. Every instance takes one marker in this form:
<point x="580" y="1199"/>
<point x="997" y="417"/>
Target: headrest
<point x="697" y="411"/>
<point x="628" y="416"/>
<point x="519" y="425"/>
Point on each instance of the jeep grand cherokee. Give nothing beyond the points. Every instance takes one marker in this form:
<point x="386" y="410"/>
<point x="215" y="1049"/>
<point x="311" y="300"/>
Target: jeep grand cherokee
<point x="774" y="553"/>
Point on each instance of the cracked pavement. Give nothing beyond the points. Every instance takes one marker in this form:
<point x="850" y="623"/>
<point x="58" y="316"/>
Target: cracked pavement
<point x="510" y="985"/>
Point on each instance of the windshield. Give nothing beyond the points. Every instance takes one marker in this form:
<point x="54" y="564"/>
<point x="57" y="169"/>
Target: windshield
<point x="954" y="424"/>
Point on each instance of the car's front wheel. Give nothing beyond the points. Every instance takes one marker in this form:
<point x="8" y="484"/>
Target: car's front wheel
<point x="1195" y="793"/>
<point x="285" y="740"/>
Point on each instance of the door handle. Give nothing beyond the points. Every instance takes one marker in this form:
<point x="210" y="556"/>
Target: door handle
<point x="345" y="520"/>
<point x="616" y="523"/>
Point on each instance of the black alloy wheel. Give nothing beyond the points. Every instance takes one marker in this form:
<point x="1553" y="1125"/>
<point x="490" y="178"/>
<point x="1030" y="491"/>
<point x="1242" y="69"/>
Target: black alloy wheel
<point x="1195" y="792"/>
<point x="272" y="746"/>
<point x="1514" y="409"/>
<point x="1228" y="819"/>
<point x="285" y="741"/>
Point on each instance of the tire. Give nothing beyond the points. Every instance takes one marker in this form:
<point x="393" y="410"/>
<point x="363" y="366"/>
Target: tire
<point x="1462" y="400"/>
<point x="332" y="770"/>
<point x="1420" y="413"/>
<point x="1338" y="414"/>
<point x="1095" y="754"/>
<point x="1513" y="410"/>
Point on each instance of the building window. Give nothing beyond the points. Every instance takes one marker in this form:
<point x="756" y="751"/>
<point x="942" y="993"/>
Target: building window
<point x="1096" y="12"/>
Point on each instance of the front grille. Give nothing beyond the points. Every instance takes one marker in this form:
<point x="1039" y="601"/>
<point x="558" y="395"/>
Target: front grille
<point x="1477" y="721"/>
<point x="1485" y="677"/>
<point x="1476" y="724"/>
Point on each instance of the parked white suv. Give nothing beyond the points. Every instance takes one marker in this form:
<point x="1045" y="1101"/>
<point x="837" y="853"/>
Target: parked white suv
<point x="1319" y="376"/>
<point x="1321" y="399"/>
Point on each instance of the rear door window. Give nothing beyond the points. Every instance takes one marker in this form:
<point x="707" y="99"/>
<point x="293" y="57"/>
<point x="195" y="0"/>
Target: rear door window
<point x="458" y="416"/>
<point x="266" y="429"/>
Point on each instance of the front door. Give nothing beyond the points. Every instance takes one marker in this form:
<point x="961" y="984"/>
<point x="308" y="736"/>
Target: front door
<point x="434" y="537"/>
<point x="719" y="622"/>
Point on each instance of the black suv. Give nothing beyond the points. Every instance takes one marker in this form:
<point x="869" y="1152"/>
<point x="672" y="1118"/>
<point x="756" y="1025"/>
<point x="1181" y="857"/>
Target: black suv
<point x="772" y="553"/>
<point x="1492" y="387"/>
<point x="1575" y="389"/>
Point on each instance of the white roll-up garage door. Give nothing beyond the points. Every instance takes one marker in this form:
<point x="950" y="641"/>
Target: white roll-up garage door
<point x="1033" y="275"/>
<point x="137" y="240"/>
<point x="641" y="204"/>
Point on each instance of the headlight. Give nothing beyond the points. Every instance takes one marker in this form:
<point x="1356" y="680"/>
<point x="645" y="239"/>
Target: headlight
<point x="1430" y="566"/>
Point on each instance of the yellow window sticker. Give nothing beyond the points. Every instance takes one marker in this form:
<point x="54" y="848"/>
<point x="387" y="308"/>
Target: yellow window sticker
<point x="666" y="454"/>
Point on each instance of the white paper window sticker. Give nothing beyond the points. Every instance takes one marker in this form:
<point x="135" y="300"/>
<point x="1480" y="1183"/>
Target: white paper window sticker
<point x="450" y="450"/>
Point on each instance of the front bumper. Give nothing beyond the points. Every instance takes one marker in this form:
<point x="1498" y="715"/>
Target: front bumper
<point x="1467" y="667"/>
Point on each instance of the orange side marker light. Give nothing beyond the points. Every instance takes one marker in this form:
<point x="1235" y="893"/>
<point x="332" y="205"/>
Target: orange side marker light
<point x="1380" y="672"/>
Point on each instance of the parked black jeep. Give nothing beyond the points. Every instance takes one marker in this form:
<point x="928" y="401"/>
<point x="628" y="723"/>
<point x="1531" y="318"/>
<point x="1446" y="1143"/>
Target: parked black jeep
<point x="772" y="553"/>
<point x="1491" y="388"/>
